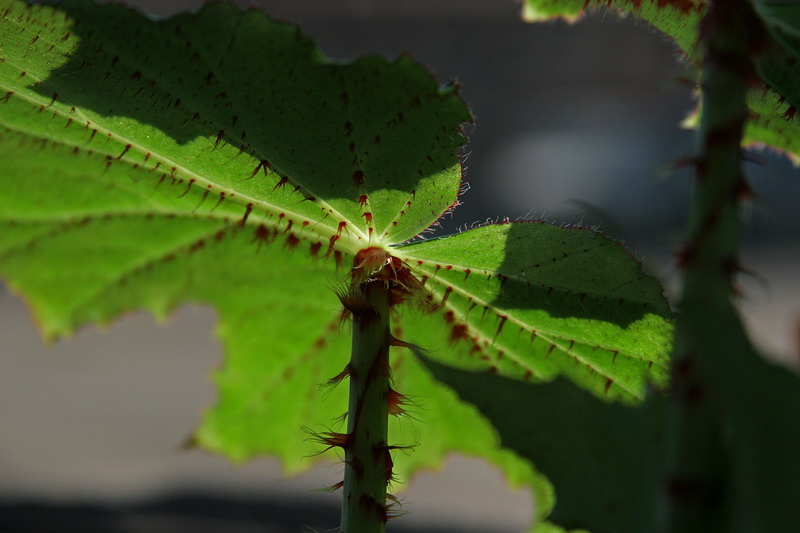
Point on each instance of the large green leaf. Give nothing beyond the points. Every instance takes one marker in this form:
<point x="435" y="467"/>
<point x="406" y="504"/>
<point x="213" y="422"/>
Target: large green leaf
<point x="604" y="460"/>
<point x="238" y="97"/>
<point x="219" y="158"/>
<point x="532" y="301"/>
<point x="121" y="193"/>
<point x="776" y="52"/>
<point x="608" y="463"/>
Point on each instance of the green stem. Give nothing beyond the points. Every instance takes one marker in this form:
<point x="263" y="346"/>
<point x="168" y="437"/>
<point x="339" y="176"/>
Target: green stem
<point x="708" y="331"/>
<point x="367" y="461"/>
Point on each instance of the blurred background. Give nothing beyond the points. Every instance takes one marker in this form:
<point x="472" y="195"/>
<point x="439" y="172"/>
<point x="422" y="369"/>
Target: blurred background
<point x="575" y="124"/>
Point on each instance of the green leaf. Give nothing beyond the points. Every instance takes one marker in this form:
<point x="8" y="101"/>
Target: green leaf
<point x="536" y="10"/>
<point x="770" y="123"/>
<point x="242" y="105"/>
<point x="777" y="65"/>
<point x="604" y="460"/>
<point x="219" y="158"/>
<point x="120" y="194"/>
<point x="608" y="463"/>
<point x="678" y="19"/>
<point x="533" y="301"/>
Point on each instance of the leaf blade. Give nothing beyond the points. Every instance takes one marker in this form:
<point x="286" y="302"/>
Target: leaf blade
<point x="604" y="460"/>
<point x="534" y="301"/>
<point x="184" y="116"/>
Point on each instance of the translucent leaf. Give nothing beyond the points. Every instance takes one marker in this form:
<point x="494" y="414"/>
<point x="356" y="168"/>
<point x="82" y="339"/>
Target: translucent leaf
<point x="220" y="158"/>
<point x="608" y="463"/>
<point x="534" y="11"/>
<point x="532" y="301"/>
<point x="243" y="110"/>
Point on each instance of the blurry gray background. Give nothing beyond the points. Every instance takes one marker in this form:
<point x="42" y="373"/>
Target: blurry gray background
<point x="575" y="124"/>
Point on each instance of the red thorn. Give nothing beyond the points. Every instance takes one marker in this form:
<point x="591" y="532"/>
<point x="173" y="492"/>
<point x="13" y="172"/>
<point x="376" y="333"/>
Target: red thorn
<point x="363" y="199"/>
<point x="248" y="209"/>
<point x="332" y="245"/>
<point x="202" y="199"/>
<point x="459" y="332"/>
<point x="262" y="235"/>
<point x="503" y="278"/>
<point x="292" y="241"/>
<point x="197" y="245"/>
<point x="335" y="380"/>
<point x="447" y="292"/>
<point x="331" y="440"/>
<point x="396" y="403"/>
<point x="220" y="135"/>
<point x="124" y="151"/>
<point x="503" y="319"/>
<point x="188" y="188"/>
<point x="263" y="164"/>
<point x="281" y="182"/>
<point x="333" y="488"/>
<point x="390" y="512"/>
<point x="221" y="199"/>
<point x="394" y="341"/>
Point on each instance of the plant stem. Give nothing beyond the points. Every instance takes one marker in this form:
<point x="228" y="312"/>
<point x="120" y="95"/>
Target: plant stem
<point x="367" y="461"/>
<point x="708" y="333"/>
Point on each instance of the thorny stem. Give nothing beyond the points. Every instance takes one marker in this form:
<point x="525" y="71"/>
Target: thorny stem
<point x="708" y="333"/>
<point x="367" y="462"/>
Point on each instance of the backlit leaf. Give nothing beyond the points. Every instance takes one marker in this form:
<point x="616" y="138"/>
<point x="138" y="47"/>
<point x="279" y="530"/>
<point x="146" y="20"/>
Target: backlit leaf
<point x="532" y="301"/>
<point x="608" y="463"/>
<point x="219" y="158"/>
